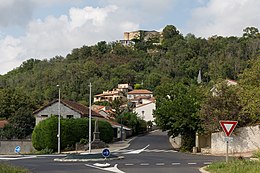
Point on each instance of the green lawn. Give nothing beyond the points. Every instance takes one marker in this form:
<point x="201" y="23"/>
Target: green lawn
<point x="4" y="168"/>
<point x="235" y="166"/>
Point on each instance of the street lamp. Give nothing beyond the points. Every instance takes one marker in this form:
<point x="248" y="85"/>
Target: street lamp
<point x="89" y="121"/>
<point x="58" y="136"/>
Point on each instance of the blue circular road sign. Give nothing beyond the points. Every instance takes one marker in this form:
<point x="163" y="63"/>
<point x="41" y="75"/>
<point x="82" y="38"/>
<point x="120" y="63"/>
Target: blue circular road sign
<point x="17" y="149"/>
<point x="106" y="152"/>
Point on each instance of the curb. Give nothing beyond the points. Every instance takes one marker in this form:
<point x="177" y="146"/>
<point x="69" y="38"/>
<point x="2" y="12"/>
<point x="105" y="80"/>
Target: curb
<point x="202" y="169"/>
<point x="87" y="160"/>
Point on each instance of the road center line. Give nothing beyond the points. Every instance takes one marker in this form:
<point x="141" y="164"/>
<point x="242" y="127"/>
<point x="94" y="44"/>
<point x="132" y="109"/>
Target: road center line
<point x="144" y="164"/>
<point x="207" y="163"/>
<point x="160" y="164"/>
<point x="192" y="163"/>
<point x="129" y="164"/>
<point x="176" y="163"/>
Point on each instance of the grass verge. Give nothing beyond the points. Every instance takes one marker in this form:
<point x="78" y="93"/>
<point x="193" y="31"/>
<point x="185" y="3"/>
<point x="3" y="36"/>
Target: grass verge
<point x="5" y="168"/>
<point x="235" y="166"/>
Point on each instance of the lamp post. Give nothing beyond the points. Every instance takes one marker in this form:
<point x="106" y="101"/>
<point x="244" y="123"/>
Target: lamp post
<point x="89" y="121"/>
<point x="58" y="136"/>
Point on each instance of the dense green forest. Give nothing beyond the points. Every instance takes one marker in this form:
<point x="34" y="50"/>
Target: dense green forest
<point x="177" y="59"/>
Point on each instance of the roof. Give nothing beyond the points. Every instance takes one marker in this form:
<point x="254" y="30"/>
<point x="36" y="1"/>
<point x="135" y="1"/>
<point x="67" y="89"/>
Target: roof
<point x="114" y="123"/>
<point x="141" y="105"/>
<point x="81" y="109"/>
<point x="140" y="92"/>
<point x="108" y="94"/>
<point x="3" y="123"/>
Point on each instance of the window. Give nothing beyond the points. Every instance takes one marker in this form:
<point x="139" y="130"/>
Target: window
<point x="44" y="115"/>
<point x="69" y="116"/>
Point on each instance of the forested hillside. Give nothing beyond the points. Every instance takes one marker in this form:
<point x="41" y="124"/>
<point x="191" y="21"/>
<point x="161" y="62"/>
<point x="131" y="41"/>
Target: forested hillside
<point x="177" y="59"/>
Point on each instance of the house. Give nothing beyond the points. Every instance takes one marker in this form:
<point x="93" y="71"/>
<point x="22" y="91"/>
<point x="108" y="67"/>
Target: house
<point x="141" y="35"/>
<point x="139" y="93"/>
<point x="105" y="111"/>
<point x="71" y="109"/>
<point x="145" y="111"/>
<point x="68" y="109"/>
<point x="116" y="93"/>
<point x="144" y="103"/>
<point x="229" y="82"/>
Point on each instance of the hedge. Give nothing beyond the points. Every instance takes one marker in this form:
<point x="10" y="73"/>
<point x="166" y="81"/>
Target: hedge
<point x="72" y="130"/>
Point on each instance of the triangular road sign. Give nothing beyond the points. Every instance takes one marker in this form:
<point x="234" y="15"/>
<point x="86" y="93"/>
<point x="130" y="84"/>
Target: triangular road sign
<point x="228" y="126"/>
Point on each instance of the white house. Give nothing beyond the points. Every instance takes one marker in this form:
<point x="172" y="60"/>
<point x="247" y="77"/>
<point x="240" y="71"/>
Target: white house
<point x="116" y="93"/>
<point x="145" y="111"/>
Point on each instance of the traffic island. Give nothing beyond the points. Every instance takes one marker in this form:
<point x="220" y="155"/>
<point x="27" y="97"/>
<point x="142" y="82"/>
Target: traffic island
<point x="88" y="157"/>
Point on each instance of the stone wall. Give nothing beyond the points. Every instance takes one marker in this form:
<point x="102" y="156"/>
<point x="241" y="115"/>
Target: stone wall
<point x="8" y="146"/>
<point x="246" y="139"/>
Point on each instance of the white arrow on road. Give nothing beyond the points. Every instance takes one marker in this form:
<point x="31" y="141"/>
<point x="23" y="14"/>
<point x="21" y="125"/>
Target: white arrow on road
<point x="109" y="169"/>
<point x="137" y="151"/>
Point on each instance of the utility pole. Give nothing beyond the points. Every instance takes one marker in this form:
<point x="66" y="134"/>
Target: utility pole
<point x="89" y="121"/>
<point x="59" y="122"/>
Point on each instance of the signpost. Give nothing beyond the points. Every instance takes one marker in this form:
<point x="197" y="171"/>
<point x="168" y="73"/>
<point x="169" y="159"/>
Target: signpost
<point x="228" y="127"/>
<point x="17" y="149"/>
<point x="106" y="153"/>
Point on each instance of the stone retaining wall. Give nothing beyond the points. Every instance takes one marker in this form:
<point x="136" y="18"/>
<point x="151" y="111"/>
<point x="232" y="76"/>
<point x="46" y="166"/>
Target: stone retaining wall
<point x="8" y="146"/>
<point x="245" y="139"/>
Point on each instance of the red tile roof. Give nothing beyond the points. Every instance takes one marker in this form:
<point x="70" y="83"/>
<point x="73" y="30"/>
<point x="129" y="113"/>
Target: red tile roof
<point x="140" y="92"/>
<point x="81" y="109"/>
<point x="3" y="123"/>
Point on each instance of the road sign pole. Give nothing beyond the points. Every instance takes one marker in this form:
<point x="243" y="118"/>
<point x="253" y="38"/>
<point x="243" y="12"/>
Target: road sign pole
<point x="227" y="152"/>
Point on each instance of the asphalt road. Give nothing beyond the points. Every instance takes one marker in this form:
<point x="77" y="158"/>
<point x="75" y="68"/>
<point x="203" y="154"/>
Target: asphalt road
<point x="150" y="153"/>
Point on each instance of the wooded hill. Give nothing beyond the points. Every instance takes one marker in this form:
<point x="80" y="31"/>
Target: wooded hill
<point x="177" y="59"/>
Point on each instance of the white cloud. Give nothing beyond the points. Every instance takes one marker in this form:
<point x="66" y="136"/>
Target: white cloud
<point x="46" y="38"/>
<point x="14" y="12"/>
<point x="10" y="49"/>
<point x="225" y="17"/>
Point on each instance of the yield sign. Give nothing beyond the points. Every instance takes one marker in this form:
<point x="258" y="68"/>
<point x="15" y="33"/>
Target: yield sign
<point x="228" y="126"/>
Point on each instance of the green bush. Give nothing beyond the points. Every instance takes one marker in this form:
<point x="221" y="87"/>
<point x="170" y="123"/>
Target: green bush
<point x="106" y="131"/>
<point x="72" y="131"/>
<point x="83" y="141"/>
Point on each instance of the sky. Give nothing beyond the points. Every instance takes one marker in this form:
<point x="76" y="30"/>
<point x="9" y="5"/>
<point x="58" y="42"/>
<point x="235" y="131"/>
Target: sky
<point x="43" y="29"/>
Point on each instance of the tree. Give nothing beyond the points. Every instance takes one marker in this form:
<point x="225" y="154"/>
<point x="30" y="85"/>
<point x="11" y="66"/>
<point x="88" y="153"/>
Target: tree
<point x="12" y="100"/>
<point x="250" y="95"/>
<point x="223" y="105"/>
<point x="176" y="111"/>
<point x="20" y="125"/>
<point x="251" y="32"/>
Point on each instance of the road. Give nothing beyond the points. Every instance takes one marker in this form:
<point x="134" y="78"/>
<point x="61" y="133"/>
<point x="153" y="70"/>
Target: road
<point x="150" y="153"/>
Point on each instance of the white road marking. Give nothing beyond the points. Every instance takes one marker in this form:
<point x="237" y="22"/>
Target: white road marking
<point x="176" y="163"/>
<point x="144" y="164"/>
<point x="109" y="169"/>
<point x="17" y="158"/>
<point x="192" y="163"/>
<point x="207" y="163"/>
<point x="146" y="150"/>
<point x="138" y="151"/>
<point x="160" y="164"/>
<point x="129" y="164"/>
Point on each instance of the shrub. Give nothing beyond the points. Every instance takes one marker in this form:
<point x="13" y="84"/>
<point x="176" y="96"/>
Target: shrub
<point x="72" y="131"/>
<point x="106" y="131"/>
